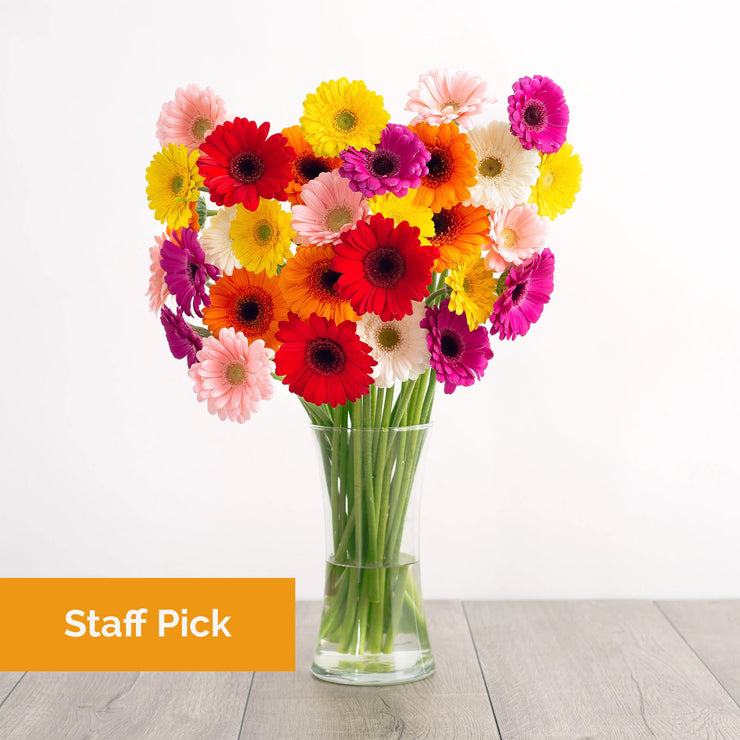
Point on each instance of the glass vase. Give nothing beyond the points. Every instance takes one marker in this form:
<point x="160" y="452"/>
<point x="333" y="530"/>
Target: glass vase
<point x="373" y="628"/>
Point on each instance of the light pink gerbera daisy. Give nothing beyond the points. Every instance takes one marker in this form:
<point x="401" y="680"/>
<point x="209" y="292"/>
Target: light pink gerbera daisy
<point x="158" y="291"/>
<point x="190" y="117"/>
<point x="330" y="207"/>
<point x="516" y="234"/>
<point x="233" y="375"/>
<point x="444" y="97"/>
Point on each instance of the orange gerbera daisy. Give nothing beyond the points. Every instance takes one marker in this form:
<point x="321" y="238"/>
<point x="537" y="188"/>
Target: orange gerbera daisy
<point x="248" y="302"/>
<point x="306" y="165"/>
<point x="452" y="166"/>
<point x="459" y="232"/>
<point x="307" y="282"/>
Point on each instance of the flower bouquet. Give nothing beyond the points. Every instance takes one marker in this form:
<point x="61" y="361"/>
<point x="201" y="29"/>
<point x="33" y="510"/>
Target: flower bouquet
<point x="360" y="262"/>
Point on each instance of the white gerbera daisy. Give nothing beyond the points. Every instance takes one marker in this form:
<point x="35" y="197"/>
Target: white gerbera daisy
<point x="506" y="171"/>
<point x="399" y="347"/>
<point x="216" y="241"/>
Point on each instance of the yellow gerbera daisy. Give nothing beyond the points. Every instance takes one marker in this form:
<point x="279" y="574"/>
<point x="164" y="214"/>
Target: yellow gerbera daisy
<point x="559" y="181"/>
<point x="409" y="208"/>
<point x="473" y="290"/>
<point x="173" y="185"/>
<point x="342" y="114"/>
<point x="262" y="237"/>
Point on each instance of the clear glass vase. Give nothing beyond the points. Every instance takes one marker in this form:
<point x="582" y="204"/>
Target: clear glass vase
<point x="373" y="628"/>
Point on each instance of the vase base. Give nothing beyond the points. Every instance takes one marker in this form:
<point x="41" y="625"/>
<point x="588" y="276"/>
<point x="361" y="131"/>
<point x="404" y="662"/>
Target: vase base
<point x="373" y="669"/>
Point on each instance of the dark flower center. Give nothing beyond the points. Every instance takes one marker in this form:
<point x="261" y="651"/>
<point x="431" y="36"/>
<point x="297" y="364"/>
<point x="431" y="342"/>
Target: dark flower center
<point x="328" y="279"/>
<point x="450" y="345"/>
<point x="310" y="167"/>
<point x="246" y="167"/>
<point x="248" y="310"/>
<point x="384" y="267"/>
<point x="519" y="292"/>
<point x="439" y="164"/>
<point x="442" y="221"/>
<point x="534" y="114"/>
<point x="383" y="163"/>
<point x="192" y="270"/>
<point x="325" y="356"/>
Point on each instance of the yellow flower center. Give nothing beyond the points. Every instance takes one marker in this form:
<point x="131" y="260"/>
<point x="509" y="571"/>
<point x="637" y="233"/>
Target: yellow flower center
<point x="176" y="184"/>
<point x="235" y="373"/>
<point x="491" y="167"/>
<point x="508" y="238"/>
<point x="548" y="179"/>
<point x="345" y="120"/>
<point x="200" y="126"/>
<point x="337" y="217"/>
<point x="263" y="232"/>
<point x="451" y="104"/>
<point x="388" y="337"/>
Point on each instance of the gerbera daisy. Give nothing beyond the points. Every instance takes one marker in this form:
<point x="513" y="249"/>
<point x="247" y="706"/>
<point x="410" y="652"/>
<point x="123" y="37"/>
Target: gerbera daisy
<point x="538" y="113"/>
<point x="158" y="292"/>
<point x="527" y="289"/>
<point x="186" y="271"/>
<point x="233" y="375"/>
<point x="323" y="362"/>
<point x="217" y="242"/>
<point x="384" y="267"/>
<point x="183" y="341"/>
<point x="306" y="165"/>
<point x="459" y="232"/>
<point x="444" y="97"/>
<point x="473" y="290"/>
<point x="241" y="163"/>
<point x="451" y="165"/>
<point x="559" y="181"/>
<point x="459" y="356"/>
<point x="173" y="181"/>
<point x="342" y="114"/>
<point x="262" y="237"/>
<point x="330" y="207"/>
<point x="395" y="165"/>
<point x="400" y="347"/>
<point x="408" y="209"/>
<point x="506" y="171"/>
<point x="189" y="118"/>
<point x="248" y="303"/>
<point x="308" y="284"/>
<point x="516" y="234"/>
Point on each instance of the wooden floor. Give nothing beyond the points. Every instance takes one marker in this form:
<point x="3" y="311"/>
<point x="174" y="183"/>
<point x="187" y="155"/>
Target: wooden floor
<point x="573" y="669"/>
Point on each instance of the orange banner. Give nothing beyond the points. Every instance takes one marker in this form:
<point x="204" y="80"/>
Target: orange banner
<point x="147" y="624"/>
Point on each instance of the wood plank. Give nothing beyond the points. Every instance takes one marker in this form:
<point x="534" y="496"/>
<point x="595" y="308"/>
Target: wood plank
<point x="145" y="706"/>
<point x="595" y="669"/>
<point x="8" y="680"/>
<point x="712" y="629"/>
<point x="451" y="703"/>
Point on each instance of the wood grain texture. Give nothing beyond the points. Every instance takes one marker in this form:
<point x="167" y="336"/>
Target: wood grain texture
<point x="8" y="681"/>
<point x="450" y="704"/>
<point x="567" y="670"/>
<point x="122" y="706"/>
<point x="712" y="629"/>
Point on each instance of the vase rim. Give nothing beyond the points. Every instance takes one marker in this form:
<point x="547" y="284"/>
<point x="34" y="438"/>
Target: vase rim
<point x="411" y="428"/>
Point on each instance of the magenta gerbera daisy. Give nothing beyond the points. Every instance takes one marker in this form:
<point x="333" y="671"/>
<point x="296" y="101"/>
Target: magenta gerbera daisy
<point x="183" y="341"/>
<point x="240" y="163"/>
<point x="459" y="356"/>
<point x="395" y="165"/>
<point x="538" y="113"/>
<point x="186" y="271"/>
<point x="233" y="375"/>
<point x="528" y="288"/>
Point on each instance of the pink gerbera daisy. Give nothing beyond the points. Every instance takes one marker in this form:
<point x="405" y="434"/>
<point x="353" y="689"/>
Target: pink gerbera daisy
<point x="189" y="118"/>
<point x="233" y="375"/>
<point x="538" y="113"/>
<point x="444" y="97"/>
<point x="330" y="207"/>
<point x="158" y="291"/>
<point x="516" y="234"/>
<point x="528" y="288"/>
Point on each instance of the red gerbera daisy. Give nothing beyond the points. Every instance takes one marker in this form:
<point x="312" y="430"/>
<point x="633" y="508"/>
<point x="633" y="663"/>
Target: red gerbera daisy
<point x="383" y="267"/>
<point x="323" y="362"/>
<point x="240" y="163"/>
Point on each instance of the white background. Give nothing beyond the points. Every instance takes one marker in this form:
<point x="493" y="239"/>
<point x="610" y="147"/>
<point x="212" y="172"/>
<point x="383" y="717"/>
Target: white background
<point x="599" y="457"/>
